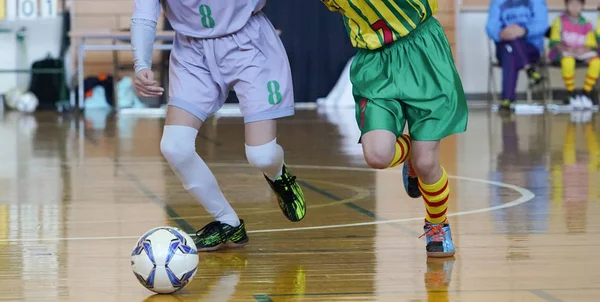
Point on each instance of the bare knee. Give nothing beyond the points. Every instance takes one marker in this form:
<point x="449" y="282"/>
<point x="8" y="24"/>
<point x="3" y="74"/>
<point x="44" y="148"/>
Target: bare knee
<point x="425" y="159"/>
<point x="425" y="164"/>
<point x="379" y="147"/>
<point x="377" y="156"/>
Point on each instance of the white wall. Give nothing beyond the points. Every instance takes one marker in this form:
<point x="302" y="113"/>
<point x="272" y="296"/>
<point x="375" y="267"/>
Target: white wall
<point x="473" y="52"/>
<point x="43" y="37"/>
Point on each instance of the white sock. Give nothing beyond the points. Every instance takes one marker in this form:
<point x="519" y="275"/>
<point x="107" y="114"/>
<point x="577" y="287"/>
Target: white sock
<point x="178" y="145"/>
<point x="268" y="158"/>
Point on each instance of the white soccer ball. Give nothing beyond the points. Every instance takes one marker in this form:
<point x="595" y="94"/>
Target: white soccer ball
<point x="165" y="260"/>
<point x="27" y="103"/>
<point x="12" y="97"/>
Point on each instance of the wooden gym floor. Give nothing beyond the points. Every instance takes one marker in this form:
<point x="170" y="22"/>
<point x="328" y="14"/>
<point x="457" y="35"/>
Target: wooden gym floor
<point x="75" y="194"/>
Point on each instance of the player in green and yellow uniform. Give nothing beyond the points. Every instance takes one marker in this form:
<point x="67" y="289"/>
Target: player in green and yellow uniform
<point x="404" y="72"/>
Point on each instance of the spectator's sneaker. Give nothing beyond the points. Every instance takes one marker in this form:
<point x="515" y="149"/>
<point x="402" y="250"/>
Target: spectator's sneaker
<point x="505" y="104"/>
<point x="535" y="77"/>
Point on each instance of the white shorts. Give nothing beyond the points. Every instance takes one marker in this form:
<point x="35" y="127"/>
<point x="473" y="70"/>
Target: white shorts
<point x="252" y="62"/>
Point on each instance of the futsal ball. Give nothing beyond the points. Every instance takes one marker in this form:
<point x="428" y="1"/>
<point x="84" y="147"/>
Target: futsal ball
<point x="12" y="97"/>
<point x="27" y="103"/>
<point x="165" y="260"/>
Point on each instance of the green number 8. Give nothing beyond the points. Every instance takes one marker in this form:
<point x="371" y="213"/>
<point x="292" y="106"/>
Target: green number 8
<point x="206" y="13"/>
<point x="275" y="96"/>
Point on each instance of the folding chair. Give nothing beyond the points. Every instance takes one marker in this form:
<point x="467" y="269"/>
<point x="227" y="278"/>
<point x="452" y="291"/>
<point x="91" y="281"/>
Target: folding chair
<point x="537" y="96"/>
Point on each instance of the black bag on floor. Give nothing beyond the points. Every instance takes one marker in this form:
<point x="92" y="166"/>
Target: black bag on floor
<point x="48" y="83"/>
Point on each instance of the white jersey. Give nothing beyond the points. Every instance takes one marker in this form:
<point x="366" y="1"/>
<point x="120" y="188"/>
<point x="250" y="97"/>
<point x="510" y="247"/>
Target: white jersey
<point x="200" y="18"/>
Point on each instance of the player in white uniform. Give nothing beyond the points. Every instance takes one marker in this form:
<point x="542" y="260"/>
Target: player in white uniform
<point x="219" y="45"/>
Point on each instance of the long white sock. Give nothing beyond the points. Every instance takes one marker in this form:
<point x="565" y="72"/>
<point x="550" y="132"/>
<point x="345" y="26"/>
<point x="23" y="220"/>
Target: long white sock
<point x="178" y="145"/>
<point x="268" y="158"/>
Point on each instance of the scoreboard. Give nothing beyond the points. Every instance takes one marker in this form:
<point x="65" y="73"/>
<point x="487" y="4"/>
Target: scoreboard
<point x="27" y="9"/>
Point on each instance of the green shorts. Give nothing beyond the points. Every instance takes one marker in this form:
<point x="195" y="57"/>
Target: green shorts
<point x="412" y="80"/>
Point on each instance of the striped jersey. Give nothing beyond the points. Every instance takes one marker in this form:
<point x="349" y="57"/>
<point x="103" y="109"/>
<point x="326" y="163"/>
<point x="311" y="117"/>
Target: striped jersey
<point x="372" y="24"/>
<point x="572" y="32"/>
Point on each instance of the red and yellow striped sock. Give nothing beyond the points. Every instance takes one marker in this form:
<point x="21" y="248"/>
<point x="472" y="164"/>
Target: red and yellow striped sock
<point x="403" y="145"/>
<point x="436" y="199"/>
<point x="568" y="72"/>
<point x="592" y="74"/>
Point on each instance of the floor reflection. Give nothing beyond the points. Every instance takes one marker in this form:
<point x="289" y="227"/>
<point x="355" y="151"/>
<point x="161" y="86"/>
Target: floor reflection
<point x="66" y="183"/>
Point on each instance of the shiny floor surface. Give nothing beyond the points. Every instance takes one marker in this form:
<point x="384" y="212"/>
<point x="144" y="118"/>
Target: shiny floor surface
<point x="75" y="194"/>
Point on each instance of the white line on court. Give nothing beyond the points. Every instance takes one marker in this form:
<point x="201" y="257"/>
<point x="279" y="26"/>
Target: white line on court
<point x="526" y="195"/>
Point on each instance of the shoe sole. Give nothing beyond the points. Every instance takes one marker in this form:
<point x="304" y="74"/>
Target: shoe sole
<point x="222" y="246"/>
<point x="295" y="220"/>
<point x="440" y="254"/>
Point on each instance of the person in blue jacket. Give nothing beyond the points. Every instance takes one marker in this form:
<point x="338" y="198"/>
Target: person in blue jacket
<point x="518" y="27"/>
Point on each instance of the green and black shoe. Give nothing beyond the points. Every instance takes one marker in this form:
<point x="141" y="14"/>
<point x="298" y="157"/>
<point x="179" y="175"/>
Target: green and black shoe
<point x="289" y="194"/>
<point x="217" y="235"/>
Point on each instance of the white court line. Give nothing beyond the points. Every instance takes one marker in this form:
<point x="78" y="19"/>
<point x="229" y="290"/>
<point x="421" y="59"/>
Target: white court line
<point x="526" y="195"/>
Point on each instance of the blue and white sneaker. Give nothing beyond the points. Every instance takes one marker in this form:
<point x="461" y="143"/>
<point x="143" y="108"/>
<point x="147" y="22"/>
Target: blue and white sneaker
<point x="439" y="240"/>
<point x="411" y="182"/>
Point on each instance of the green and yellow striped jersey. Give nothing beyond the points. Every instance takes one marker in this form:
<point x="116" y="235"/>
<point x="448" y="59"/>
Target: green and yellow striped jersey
<point x="372" y="24"/>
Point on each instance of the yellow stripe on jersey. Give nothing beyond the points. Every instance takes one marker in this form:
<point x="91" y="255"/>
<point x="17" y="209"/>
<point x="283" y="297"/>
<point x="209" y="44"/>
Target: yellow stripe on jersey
<point x="555" y="31"/>
<point x="590" y="40"/>
<point x="360" y="25"/>
<point x="391" y="19"/>
<point x="374" y="23"/>
<point x="433" y="4"/>
<point x="598" y="28"/>
<point x="421" y="8"/>
<point x="357" y="40"/>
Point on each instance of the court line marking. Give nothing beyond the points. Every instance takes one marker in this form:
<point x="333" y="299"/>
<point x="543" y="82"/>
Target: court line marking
<point x="526" y="196"/>
<point x="544" y="295"/>
<point x="360" y="195"/>
<point x="359" y="209"/>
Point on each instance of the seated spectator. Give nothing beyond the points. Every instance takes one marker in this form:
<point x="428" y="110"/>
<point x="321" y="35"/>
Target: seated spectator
<point x="518" y="28"/>
<point x="572" y="39"/>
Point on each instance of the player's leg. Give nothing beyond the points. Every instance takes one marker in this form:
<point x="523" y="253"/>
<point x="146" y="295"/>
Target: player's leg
<point x="192" y="99"/>
<point x="433" y="183"/>
<point x="434" y="110"/>
<point x="381" y="123"/>
<point x="263" y="152"/>
<point x="264" y="89"/>
<point x="380" y="116"/>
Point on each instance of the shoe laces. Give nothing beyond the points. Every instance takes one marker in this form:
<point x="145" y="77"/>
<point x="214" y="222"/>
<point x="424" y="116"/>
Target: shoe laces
<point x="214" y="226"/>
<point x="435" y="232"/>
